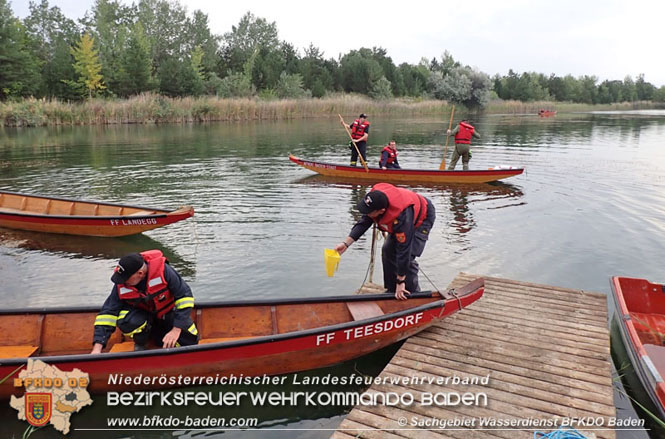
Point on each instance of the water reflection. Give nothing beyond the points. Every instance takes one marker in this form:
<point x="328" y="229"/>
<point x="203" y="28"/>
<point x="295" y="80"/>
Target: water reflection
<point x="91" y="247"/>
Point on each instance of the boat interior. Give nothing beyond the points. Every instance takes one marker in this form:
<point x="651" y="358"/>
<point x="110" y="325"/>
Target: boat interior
<point x="68" y="333"/>
<point x="26" y="204"/>
<point x="646" y="305"/>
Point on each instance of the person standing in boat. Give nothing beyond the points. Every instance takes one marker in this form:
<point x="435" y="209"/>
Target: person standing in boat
<point x="463" y="133"/>
<point x="359" y="134"/>
<point x="389" y="157"/>
<point x="408" y="219"/>
<point x="149" y="299"/>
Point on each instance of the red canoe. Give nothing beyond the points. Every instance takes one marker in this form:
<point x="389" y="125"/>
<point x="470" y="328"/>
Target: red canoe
<point x="250" y="338"/>
<point x="77" y="217"/>
<point x="408" y="175"/>
<point x="640" y="317"/>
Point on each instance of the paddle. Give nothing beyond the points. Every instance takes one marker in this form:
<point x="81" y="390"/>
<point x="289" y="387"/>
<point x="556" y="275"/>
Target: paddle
<point x="442" y="166"/>
<point x="354" y="143"/>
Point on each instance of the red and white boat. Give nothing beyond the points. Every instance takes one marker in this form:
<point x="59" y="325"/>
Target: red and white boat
<point x="249" y="338"/>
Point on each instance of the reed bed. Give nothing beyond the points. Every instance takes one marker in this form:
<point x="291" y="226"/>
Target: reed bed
<point x="150" y="108"/>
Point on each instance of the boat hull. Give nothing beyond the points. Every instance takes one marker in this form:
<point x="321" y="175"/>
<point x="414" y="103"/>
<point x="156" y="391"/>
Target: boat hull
<point x="52" y="215"/>
<point x="407" y="175"/>
<point x="264" y="355"/>
<point x="627" y="323"/>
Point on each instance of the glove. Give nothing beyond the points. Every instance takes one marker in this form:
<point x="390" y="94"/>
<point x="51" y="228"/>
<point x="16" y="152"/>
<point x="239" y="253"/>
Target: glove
<point x="470" y="154"/>
<point x="351" y="145"/>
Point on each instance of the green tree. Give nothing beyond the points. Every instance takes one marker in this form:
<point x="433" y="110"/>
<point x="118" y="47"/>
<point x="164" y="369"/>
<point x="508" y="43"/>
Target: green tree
<point x="644" y="89"/>
<point x="19" y="71"/>
<point x="629" y="91"/>
<point x="53" y="34"/>
<point x="291" y="86"/>
<point x="381" y="89"/>
<point x="87" y="65"/>
<point x="135" y="75"/>
<point x="359" y="71"/>
<point x="251" y="34"/>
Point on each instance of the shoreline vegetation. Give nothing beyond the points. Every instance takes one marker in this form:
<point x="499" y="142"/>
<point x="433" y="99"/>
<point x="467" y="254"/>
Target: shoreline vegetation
<point x="151" y="108"/>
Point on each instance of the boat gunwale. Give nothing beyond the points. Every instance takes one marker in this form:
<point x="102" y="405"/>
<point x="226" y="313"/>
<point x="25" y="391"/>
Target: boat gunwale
<point x="161" y="210"/>
<point x="184" y="350"/>
<point x="404" y="171"/>
<point x="628" y="332"/>
<point x="237" y="303"/>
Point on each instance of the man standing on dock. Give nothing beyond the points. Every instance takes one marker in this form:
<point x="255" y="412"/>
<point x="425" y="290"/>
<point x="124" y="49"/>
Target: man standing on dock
<point x="408" y="219"/>
<point x="463" y="134"/>
<point x="359" y="134"/>
<point x="148" y="299"/>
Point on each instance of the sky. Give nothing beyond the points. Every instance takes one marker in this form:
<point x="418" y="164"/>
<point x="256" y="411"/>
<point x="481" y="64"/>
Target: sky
<point x="608" y="39"/>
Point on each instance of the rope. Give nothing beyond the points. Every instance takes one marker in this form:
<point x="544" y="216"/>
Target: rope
<point x="561" y="433"/>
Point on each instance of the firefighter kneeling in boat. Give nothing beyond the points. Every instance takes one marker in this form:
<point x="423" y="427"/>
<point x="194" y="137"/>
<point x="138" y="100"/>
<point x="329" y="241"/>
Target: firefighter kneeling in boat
<point x="149" y="299"/>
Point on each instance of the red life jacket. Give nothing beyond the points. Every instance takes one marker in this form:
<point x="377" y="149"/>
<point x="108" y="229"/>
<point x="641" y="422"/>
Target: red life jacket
<point x="398" y="200"/>
<point x="358" y="129"/>
<point x="157" y="298"/>
<point x="465" y="133"/>
<point x="392" y="154"/>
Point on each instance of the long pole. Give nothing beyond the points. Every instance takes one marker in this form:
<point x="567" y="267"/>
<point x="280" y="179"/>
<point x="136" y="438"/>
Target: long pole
<point x="371" y="258"/>
<point x="442" y="166"/>
<point x="362" y="160"/>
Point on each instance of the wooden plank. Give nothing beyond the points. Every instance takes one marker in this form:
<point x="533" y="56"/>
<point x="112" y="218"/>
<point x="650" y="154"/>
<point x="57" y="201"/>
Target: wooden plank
<point x="406" y="367"/>
<point x="545" y="350"/>
<point x="521" y="343"/>
<point x="562" y="338"/>
<point x="17" y="351"/>
<point x="479" y="366"/>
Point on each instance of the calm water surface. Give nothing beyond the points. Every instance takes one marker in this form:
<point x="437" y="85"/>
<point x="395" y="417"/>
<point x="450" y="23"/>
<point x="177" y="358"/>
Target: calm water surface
<point x="590" y="205"/>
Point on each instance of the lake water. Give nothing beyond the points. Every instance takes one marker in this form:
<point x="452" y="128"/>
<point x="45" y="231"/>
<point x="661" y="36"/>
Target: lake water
<point x="590" y="205"/>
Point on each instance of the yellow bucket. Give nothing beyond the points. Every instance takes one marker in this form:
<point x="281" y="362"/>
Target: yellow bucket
<point x="331" y="258"/>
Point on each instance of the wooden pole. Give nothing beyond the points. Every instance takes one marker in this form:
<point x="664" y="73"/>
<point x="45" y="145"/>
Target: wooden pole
<point x="362" y="160"/>
<point x="442" y="166"/>
<point x="371" y="258"/>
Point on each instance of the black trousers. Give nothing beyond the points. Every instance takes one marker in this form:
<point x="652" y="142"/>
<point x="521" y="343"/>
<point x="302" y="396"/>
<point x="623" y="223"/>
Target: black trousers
<point x="362" y="147"/>
<point x="143" y="326"/>
<point x="389" y="254"/>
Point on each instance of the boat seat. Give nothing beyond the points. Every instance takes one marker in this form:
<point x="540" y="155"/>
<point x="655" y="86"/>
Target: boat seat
<point x="649" y="325"/>
<point x="127" y="346"/>
<point x="223" y="339"/>
<point x="17" y="351"/>
<point x="364" y="310"/>
<point x="657" y="355"/>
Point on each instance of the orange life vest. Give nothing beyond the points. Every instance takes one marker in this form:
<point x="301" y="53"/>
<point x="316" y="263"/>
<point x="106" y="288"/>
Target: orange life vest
<point x="398" y="200"/>
<point x="358" y="129"/>
<point x="392" y="154"/>
<point x="157" y="298"/>
<point x="465" y="133"/>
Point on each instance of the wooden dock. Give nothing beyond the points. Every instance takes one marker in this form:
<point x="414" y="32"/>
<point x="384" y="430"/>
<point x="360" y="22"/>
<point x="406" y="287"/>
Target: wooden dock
<point x="546" y="351"/>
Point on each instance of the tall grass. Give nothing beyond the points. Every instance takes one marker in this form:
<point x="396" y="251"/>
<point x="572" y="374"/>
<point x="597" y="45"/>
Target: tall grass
<point x="153" y="108"/>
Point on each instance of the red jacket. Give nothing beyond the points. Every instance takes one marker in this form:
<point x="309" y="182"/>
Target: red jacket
<point x="398" y="200"/>
<point x="358" y="129"/>
<point x="157" y="298"/>
<point x="465" y="133"/>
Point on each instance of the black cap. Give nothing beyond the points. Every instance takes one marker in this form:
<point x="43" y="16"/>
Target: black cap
<point x="363" y="115"/>
<point x="374" y="200"/>
<point x="127" y="266"/>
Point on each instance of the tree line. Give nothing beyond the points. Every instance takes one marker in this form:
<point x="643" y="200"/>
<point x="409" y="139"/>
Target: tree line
<point x="117" y="50"/>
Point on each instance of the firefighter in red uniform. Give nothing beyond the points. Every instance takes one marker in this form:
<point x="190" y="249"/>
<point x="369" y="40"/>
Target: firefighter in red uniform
<point x="359" y="134"/>
<point x="149" y="299"/>
<point x="463" y="133"/>
<point x="389" y="157"/>
<point x="408" y="219"/>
